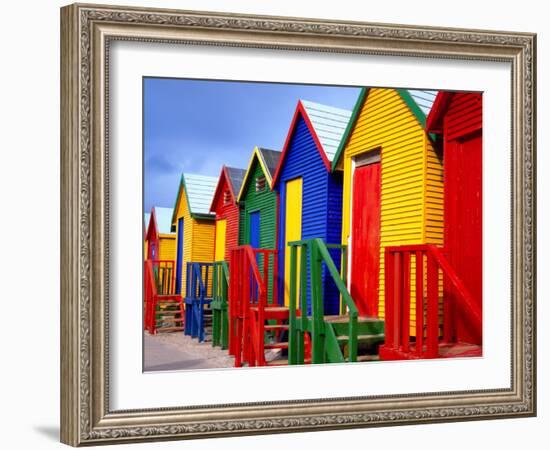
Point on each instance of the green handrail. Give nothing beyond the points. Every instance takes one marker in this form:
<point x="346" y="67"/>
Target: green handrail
<point x="318" y="254"/>
<point x="220" y="320"/>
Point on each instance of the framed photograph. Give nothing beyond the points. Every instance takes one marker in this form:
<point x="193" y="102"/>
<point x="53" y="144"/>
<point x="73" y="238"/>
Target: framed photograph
<point x="278" y="224"/>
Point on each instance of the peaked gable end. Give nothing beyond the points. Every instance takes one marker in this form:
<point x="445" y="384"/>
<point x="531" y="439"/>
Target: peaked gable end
<point x="326" y="125"/>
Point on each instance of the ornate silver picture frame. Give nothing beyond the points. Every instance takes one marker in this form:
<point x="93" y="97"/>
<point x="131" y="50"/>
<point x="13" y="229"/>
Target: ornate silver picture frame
<point x="87" y="32"/>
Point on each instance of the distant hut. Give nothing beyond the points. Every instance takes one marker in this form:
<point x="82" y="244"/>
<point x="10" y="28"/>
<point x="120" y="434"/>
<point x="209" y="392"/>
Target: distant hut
<point x="161" y="242"/>
<point x="194" y="224"/>
<point x="226" y="208"/>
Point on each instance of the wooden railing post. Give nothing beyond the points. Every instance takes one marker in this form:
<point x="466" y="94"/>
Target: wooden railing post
<point x="389" y="299"/>
<point x="225" y="307"/>
<point x="292" y="330"/>
<point x="406" y="301"/>
<point x="419" y="259"/>
<point x="318" y="348"/>
<point x="398" y="299"/>
<point x="432" y="338"/>
<point x="302" y="254"/>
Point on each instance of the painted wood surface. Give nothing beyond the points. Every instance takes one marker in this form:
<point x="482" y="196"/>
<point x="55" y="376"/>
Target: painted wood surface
<point x="226" y="208"/>
<point x="198" y="237"/>
<point x="321" y="214"/>
<point x="365" y="250"/>
<point x="254" y="229"/>
<point x="220" y="247"/>
<point x="411" y="207"/>
<point x="167" y="247"/>
<point x="293" y="227"/>
<point x="264" y="202"/>
<point x="462" y="122"/>
<point x="160" y="244"/>
<point x="179" y="255"/>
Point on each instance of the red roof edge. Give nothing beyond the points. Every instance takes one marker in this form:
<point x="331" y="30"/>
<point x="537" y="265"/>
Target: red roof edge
<point x="152" y="224"/>
<point x="217" y="192"/>
<point x="300" y="111"/>
<point x="434" y="121"/>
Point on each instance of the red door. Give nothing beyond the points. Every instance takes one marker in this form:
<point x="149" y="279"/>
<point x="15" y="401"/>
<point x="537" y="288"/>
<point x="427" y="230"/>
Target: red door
<point x="463" y="222"/>
<point x="365" y="239"/>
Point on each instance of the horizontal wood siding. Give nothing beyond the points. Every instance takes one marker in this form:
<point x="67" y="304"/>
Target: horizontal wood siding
<point x="167" y="247"/>
<point x="241" y="224"/>
<point x="182" y="211"/>
<point x="433" y="205"/>
<point x="463" y="116"/>
<point x="409" y="175"/>
<point x="266" y="202"/>
<point x="229" y="212"/>
<point x="303" y="160"/>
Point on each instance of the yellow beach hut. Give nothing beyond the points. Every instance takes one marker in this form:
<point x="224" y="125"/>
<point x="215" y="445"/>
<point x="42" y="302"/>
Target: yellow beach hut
<point x="393" y="186"/>
<point x="194" y="225"/>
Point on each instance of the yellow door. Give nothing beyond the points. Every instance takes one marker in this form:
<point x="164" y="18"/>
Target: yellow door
<point x="293" y="229"/>
<point x="221" y="227"/>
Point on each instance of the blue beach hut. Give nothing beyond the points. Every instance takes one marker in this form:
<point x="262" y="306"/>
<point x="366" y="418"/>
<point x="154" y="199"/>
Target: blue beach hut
<point x="310" y="193"/>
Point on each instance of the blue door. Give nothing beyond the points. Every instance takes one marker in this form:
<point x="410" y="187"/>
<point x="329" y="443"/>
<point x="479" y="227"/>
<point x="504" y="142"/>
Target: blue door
<point x="254" y="240"/>
<point x="255" y="229"/>
<point x="179" y="257"/>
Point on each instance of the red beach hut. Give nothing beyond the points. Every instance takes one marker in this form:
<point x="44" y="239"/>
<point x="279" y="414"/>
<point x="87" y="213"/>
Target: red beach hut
<point x="457" y="118"/>
<point x="226" y="208"/>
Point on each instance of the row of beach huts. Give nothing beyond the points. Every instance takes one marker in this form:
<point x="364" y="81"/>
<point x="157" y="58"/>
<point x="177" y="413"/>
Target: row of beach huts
<point x="360" y="240"/>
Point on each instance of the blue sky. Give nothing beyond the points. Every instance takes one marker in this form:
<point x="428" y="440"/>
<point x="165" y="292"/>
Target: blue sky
<point x="197" y="126"/>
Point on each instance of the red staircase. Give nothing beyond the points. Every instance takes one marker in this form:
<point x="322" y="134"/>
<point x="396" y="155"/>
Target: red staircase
<point x="256" y="321"/>
<point x="434" y="276"/>
<point x="163" y="307"/>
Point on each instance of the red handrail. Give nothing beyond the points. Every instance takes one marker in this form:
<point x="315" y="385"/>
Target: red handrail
<point x="249" y="286"/>
<point x="398" y="263"/>
<point x="159" y="280"/>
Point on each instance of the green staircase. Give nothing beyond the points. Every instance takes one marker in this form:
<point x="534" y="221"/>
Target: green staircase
<point x="218" y="306"/>
<point x="334" y="339"/>
<point x="370" y="334"/>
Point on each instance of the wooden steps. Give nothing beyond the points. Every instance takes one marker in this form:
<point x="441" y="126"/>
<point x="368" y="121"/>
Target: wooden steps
<point x="370" y="334"/>
<point x="165" y="329"/>
<point x="166" y="320"/>
<point x="363" y="337"/>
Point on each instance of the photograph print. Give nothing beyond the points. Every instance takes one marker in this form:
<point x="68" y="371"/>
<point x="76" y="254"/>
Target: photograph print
<point x="291" y="224"/>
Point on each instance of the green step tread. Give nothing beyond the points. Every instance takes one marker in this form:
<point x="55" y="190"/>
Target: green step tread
<point x="362" y="337"/>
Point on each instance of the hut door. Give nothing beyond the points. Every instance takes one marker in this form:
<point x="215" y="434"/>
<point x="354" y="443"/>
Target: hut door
<point x="365" y="238"/>
<point x="179" y="256"/>
<point x="221" y="227"/>
<point x="463" y="219"/>
<point x="254" y="223"/>
<point x="293" y="228"/>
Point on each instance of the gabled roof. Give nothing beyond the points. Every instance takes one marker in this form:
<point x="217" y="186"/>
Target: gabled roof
<point x="434" y="122"/>
<point x="268" y="160"/>
<point x="159" y="221"/>
<point x="423" y="98"/>
<point x="198" y="191"/>
<point x="419" y="101"/>
<point x="234" y="179"/>
<point x="326" y="125"/>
